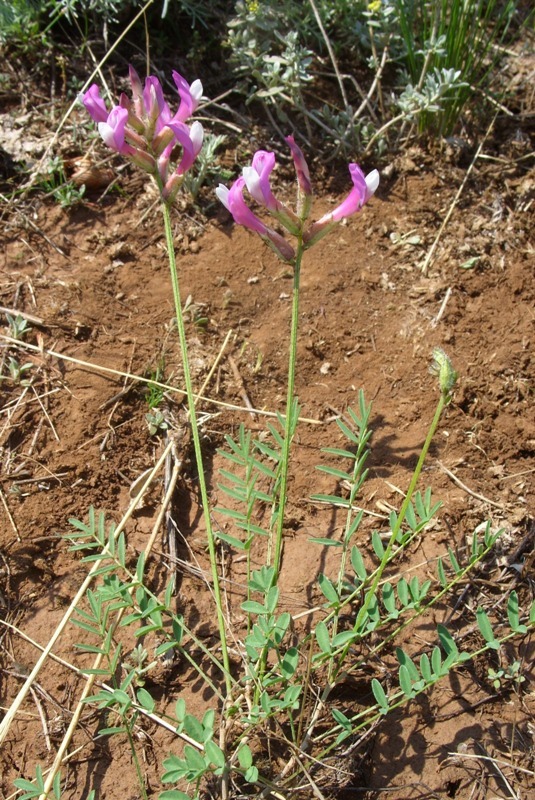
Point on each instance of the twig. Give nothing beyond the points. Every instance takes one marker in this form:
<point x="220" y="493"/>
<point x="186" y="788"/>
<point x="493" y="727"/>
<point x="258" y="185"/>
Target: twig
<point x="216" y="363"/>
<point x="35" y="436"/>
<point x="42" y="717"/>
<point x="378" y="70"/>
<point x="456" y="199"/>
<point x="466" y="489"/>
<point x="14" y="312"/>
<point x="366" y="101"/>
<point x="141" y="379"/>
<point x="500" y="776"/>
<point x="494" y="761"/>
<point x="442" y="308"/>
<point x="518" y="474"/>
<point x="243" y="394"/>
<point x="170" y="484"/>
<point x="13" y="404"/>
<point x="45" y="412"/>
<point x="116" y="397"/>
<point x="331" y="54"/>
<point x="381" y="131"/>
<point x="8" y="512"/>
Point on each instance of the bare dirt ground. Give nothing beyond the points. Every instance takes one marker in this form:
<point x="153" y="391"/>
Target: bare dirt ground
<point x="93" y="281"/>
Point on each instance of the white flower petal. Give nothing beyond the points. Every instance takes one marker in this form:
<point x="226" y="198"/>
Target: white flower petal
<point x="222" y="193"/>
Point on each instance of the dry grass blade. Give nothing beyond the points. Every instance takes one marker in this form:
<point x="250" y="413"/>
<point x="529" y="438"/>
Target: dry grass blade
<point x="467" y="489"/>
<point x="14" y="312"/>
<point x="141" y="379"/>
<point x="495" y="761"/>
<point x="431" y="252"/>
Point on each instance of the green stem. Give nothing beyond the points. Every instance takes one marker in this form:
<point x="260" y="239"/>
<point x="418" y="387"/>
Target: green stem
<point x="128" y="727"/>
<point x="289" y="422"/>
<point x="197" y="444"/>
<point x="371" y="592"/>
<point x="285" y="456"/>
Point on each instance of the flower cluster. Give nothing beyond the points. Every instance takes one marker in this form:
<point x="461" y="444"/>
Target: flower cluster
<point x="143" y="129"/>
<point x="256" y="179"/>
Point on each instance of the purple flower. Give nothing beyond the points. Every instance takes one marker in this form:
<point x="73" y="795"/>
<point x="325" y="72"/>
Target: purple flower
<point x="113" y="130"/>
<point x="233" y="201"/>
<point x="94" y="104"/>
<point x="144" y="130"/>
<point x="189" y="97"/>
<point x="364" y="187"/>
<point x="191" y="141"/>
<point x="257" y="179"/>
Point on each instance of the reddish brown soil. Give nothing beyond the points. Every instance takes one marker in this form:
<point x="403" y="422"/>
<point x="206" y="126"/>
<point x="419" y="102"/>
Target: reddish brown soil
<point x="97" y="278"/>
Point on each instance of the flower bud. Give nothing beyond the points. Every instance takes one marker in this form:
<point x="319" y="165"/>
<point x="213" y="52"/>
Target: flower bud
<point x="443" y="369"/>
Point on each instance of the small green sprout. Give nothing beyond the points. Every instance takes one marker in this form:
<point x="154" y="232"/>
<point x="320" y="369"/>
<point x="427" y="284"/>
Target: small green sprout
<point x="510" y="674"/>
<point x="18" y="326"/>
<point x="17" y="371"/>
<point x="64" y="191"/>
<point x="470" y="263"/>
<point x="137" y="661"/>
<point x="156" y="421"/>
<point x="196" y="312"/>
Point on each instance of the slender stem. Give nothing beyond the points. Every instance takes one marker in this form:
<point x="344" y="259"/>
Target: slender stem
<point x="197" y="444"/>
<point x="128" y="727"/>
<point x="285" y="456"/>
<point x="371" y="592"/>
<point x="289" y="423"/>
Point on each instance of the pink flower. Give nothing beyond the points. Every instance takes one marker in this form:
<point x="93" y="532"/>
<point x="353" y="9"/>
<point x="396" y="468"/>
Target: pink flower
<point x="137" y="91"/>
<point x="364" y="187"/>
<point x="189" y="97"/>
<point x="94" y="104"/>
<point x="144" y="130"/>
<point x="257" y="179"/>
<point x="156" y="109"/>
<point x="233" y="201"/>
<point x="113" y="130"/>
<point x="191" y="141"/>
